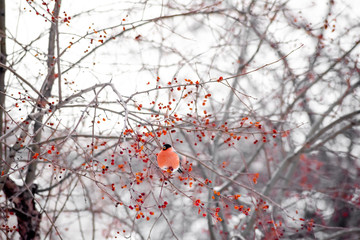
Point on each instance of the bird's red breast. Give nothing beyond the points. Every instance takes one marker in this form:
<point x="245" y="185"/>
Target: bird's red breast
<point x="168" y="159"/>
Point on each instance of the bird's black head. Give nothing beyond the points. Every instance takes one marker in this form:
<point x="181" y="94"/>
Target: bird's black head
<point x="166" y="146"/>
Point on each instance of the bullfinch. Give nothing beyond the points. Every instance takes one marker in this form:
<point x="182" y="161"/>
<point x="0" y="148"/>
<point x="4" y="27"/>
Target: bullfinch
<point x="168" y="159"/>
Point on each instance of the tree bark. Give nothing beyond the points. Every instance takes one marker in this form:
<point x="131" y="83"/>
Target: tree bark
<point x="28" y="217"/>
<point x="45" y="91"/>
<point x="2" y="75"/>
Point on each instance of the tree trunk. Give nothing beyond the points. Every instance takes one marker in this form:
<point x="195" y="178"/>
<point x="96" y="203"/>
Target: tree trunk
<point x="45" y="91"/>
<point x="2" y="74"/>
<point x="28" y="216"/>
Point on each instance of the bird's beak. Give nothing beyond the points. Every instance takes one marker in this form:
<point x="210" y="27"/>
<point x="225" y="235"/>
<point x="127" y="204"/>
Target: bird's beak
<point x="164" y="148"/>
